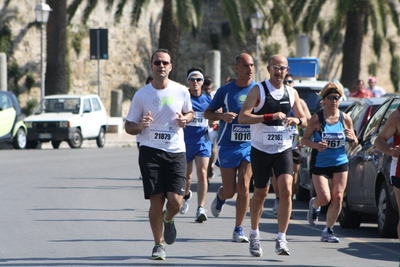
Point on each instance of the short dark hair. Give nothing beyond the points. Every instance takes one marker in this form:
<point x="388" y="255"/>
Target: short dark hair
<point x="194" y="69"/>
<point x="149" y="79"/>
<point x="288" y="75"/>
<point x="207" y="81"/>
<point x="161" y="50"/>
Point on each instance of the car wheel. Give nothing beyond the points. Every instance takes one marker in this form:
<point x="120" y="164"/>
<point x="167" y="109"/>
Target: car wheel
<point x="55" y="144"/>
<point x="387" y="216"/>
<point x="76" y="141"/>
<point x="101" y="138"/>
<point x="32" y="144"/>
<point x="347" y="217"/>
<point x="19" y="141"/>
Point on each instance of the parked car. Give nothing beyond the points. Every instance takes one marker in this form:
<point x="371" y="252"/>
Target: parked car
<point x="71" y="118"/>
<point x="361" y="110"/>
<point x="368" y="190"/>
<point x="12" y="127"/>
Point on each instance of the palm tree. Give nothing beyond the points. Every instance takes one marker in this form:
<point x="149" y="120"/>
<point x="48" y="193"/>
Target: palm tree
<point x="56" y="81"/>
<point x="353" y="16"/>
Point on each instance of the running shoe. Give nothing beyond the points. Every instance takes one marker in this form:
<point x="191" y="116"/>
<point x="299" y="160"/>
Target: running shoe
<point x="169" y="231"/>
<point x="276" y="206"/>
<point x="255" y="246"/>
<point x="238" y="235"/>
<point x="329" y="236"/>
<point x="281" y="248"/>
<point x="158" y="252"/>
<point x="312" y="215"/>
<point x="216" y="205"/>
<point x="185" y="204"/>
<point x="210" y="173"/>
<point x="201" y="215"/>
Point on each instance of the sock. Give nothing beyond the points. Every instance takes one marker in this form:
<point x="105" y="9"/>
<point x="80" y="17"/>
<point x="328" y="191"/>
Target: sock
<point x="165" y="212"/>
<point x="281" y="236"/>
<point x="254" y="232"/>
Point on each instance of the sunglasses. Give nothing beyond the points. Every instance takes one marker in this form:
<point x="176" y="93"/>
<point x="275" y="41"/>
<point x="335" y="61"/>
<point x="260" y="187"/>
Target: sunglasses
<point x="195" y="79"/>
<point x="287" y="81"/>
<point x="331" y="97"/>
<point x="281" y="68"/>
<point x="158" y="63"/>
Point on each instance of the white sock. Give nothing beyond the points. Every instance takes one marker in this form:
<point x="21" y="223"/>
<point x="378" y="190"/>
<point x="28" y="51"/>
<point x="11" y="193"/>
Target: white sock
<point x="281" y="236"/>
<point x="254" y="232"/>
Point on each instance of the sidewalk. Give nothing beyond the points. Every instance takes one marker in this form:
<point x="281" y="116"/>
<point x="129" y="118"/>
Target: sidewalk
<point x="112" y="140"/>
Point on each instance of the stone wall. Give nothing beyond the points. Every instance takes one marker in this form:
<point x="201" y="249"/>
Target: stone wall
<point x="130" y="50"/>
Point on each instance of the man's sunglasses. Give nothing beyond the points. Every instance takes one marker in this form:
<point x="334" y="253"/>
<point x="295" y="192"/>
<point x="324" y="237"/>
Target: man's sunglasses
<point x="158" y="63"/>
<point x="287" y="81"/>
<point x="195" y="79"/>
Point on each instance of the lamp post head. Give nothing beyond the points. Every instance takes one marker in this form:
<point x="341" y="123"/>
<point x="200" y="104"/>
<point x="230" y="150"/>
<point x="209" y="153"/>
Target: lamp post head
<point x="42" y="12"/>
<point x="257" y="20"/>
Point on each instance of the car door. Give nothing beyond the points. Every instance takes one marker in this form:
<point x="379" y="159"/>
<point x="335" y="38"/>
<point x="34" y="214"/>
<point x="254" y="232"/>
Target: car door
<point x="88" y="123"/>
<point x="373" y="156"/>
<point x="378" y="157"/>
<point x="7" y="115"/>
<point x="360" y="185"/>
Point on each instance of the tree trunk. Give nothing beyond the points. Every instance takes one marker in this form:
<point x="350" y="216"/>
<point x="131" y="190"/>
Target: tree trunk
<point x="351" y="64"/>
<point x="169" y="37"/>
<point x="56" y="67"/>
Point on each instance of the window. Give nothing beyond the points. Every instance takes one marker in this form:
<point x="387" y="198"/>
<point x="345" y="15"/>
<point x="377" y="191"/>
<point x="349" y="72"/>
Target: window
<point x="5" y="102"/>
<point x="87" y="107"/>
<point x="96" y="104"/>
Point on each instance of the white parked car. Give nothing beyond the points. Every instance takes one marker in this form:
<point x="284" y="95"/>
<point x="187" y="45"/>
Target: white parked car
<point x="71" y="118"/>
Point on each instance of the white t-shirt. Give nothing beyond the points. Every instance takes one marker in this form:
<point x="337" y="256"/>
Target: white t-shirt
<point x="378" y="91"/>
<point x="259" y="130"/>
<point x="164" y="132"/>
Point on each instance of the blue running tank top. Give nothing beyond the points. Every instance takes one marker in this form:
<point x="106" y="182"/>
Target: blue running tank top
<point x="334" y="135"/>
<point x="196" y="130"/>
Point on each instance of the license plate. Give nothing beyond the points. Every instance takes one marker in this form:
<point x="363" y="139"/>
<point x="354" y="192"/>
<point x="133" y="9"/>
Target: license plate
<point x="44" y="136"/>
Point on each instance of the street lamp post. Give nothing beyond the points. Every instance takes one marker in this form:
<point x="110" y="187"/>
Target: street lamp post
<point x="42" y="12"/>
<point x="257" y="21"/>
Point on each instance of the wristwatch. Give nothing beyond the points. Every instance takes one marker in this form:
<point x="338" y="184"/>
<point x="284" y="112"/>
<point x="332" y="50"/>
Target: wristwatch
<point x="300" y="122"/>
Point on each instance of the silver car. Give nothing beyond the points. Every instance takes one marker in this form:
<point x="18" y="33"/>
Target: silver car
<point x="368" y="190"/>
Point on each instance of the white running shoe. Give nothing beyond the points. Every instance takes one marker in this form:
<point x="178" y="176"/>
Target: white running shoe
<point x="255" y="246"/>
<point x="185" y="204"/>
<point x="201" y="215"/>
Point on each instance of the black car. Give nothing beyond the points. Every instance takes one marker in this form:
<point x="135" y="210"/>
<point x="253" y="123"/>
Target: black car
<point x="12" y="127"/>
<point x="368" y="190"/>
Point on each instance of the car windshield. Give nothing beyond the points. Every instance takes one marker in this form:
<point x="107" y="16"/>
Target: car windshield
<point x="59" y="105"/>
<point x="311" y="98"/>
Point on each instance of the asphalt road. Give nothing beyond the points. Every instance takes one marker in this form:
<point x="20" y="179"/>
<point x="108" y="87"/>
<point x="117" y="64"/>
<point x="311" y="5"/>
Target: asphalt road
<point x="85" y="207"/>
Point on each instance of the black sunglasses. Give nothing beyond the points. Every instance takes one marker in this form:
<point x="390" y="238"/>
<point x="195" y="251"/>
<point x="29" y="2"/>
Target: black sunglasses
<point x="158" y="63"/>
<point x="195" y="79"/>
<point x="287" y="81"/>
<point x="331" y="97"/>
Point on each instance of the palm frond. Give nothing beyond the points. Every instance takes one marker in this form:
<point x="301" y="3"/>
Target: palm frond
<point x="71" y="10"/>
<point x="138" y="6"/>
<point x="91" y="5"/>
<point x="120" y="9"/>
<point x="233" y="12"/>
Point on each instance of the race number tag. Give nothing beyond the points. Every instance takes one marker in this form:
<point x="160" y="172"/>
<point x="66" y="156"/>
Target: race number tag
<point x="334" y="140"/>
<point x="276" y="135"/>
<point x="295" y="136"/>
<point x="198" y="120"/>
<point x="240" y="133"/>
<point x="163" y="134"/>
